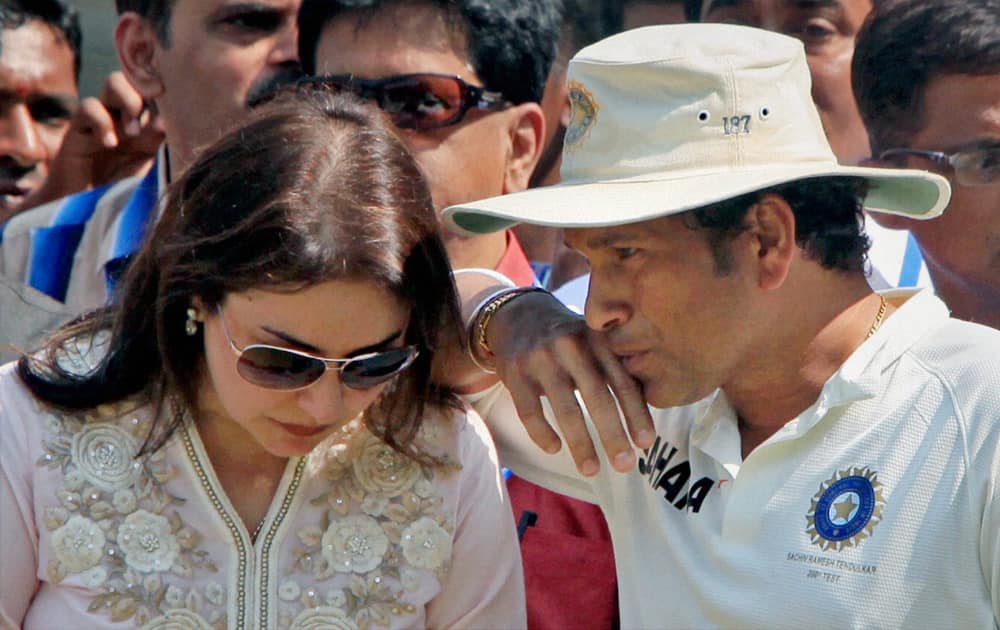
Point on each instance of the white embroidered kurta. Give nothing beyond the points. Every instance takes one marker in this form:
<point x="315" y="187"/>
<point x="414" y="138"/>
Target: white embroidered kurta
<point x="357" y="535"/>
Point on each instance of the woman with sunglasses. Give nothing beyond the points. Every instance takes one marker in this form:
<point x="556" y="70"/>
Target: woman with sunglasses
<point x="250" y="437"/>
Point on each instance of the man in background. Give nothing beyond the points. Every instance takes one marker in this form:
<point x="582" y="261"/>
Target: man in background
<point x="199" y="64"/>
<point x="51" y="144"/>
<point x="39" y="61"/>
<point x="39" y="64"/>
<point x="927" y="79"/>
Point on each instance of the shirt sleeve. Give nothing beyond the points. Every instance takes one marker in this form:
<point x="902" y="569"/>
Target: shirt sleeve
<point x="556" y="472"/>
<point x="18" y="532"/>
<point x="991" y="548"/>
<point x="986" y="466"/>
<point x="484" y="587"/>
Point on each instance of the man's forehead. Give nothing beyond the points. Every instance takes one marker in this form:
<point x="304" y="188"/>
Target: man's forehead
<point x="209" y="9"/>
<point x="394" y="39"/>
<point x="709" y="6"/>
<point x="430" y="22"/>
<point x="35" y="51"/>
<point x="595" y="238"/>
<point x="976" y="96"/>
<point x="209" y="6"/>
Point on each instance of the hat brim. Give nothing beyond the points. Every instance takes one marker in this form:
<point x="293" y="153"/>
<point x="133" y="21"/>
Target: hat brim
<point x="915" y="194"/>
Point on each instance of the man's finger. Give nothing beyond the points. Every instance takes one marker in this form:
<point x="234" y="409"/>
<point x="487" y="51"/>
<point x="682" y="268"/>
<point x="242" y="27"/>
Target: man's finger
<point x="124" y="102"/>
<point x="629" y="394"/>
<point x="529" y="409"/>
<point x="560" y="391"/>
<point x="93" y="119"/>
<point x="604" y="414"/>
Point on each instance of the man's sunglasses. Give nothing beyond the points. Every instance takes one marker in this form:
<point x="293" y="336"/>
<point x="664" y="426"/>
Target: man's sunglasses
<point x="272" y="367"/>
<point x="417" y="101"/>
<point x="973" y="167"/>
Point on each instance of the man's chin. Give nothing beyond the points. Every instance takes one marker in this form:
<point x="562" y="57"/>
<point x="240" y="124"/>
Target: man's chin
<point x="10" y="205"/>
<point x="661" y="396"/>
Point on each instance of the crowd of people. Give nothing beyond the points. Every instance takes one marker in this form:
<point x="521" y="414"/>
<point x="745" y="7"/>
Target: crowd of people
<point x="640" y="314"/>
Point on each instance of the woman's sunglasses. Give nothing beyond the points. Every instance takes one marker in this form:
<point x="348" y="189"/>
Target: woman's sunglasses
<point x="417" y="101"/>
<point x="282" y="368"/>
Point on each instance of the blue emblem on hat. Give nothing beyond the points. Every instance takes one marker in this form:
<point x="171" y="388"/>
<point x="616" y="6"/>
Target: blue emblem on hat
<point x="583" y="114"/>
<point x="846" y="509"/>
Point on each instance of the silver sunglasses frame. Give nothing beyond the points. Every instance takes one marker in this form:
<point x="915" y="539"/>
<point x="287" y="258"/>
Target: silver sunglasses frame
<point x="329" y="364"/>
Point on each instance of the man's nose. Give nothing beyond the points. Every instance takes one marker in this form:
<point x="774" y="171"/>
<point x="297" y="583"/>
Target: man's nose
<point x="286" y="48"/>
<point x="19" y="138"/>
<point x="605" y="308"/>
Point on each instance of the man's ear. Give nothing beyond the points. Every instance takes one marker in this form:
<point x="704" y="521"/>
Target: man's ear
<point x="527" y="136"/>
<point x="771" y="227"/>
<point x="136" y="43"/>
<point x="889" y="221"/>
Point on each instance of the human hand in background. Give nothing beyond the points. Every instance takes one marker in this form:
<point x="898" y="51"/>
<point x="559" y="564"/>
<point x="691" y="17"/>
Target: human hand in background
<point x="110" y="138"/>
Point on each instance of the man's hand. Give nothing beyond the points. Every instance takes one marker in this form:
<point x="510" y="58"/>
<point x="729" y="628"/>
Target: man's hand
<point x="109" y="138"/>
<point x="544" y="349"/>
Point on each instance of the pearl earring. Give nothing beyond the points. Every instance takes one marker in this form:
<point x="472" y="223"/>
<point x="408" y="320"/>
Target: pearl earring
<point x="191" y="325"/>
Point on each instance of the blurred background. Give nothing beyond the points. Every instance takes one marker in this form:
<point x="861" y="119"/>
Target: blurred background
<point x="97" y="19"/>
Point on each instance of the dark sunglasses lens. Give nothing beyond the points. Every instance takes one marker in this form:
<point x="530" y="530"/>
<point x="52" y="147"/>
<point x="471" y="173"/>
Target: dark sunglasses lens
<point x="422" y="102"/>
<point x="367" y="372"/>
<point x="277" y="369"/>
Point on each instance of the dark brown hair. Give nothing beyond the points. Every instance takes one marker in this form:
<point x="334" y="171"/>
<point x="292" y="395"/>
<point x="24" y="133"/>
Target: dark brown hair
<point x="315" y="188"/>
<point x="158" y="12"/>
<point x="510" y="43"/>
<point x="829" y="221"/>
<point x="904" y="46"/>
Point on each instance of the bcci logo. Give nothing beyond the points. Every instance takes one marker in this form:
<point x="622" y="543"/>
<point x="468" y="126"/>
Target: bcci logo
<point x="846" y="509"/>
<point x="584" y="114"/>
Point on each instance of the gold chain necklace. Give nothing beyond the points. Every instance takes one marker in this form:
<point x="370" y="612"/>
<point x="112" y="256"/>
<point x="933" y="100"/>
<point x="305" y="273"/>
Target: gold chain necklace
<point x="878" y="318"/>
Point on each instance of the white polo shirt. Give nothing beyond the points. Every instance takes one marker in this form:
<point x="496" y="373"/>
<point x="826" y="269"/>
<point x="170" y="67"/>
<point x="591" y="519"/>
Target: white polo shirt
<point x="879" y="506"/>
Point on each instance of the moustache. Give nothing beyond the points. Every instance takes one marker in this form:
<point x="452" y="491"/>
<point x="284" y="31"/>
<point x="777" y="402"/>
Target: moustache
<point x="10" y="169"/>
<point x="267" y="89"/>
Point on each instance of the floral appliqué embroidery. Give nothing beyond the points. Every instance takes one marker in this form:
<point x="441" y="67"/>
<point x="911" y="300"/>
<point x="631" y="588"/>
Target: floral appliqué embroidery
<point x="382" y="524"/>
<point x="115" y="527"/>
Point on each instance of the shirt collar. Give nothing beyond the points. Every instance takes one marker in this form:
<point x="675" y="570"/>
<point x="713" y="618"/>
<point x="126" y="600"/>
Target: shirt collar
<point x="128" y="228"/>
<point x="918" y="311"/>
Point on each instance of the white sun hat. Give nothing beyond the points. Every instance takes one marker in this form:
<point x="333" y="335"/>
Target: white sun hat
<point x="670" y="118"/>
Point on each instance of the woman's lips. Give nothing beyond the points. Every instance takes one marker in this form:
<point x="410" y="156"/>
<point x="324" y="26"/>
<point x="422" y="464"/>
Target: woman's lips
<point x="299" y="430"/>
